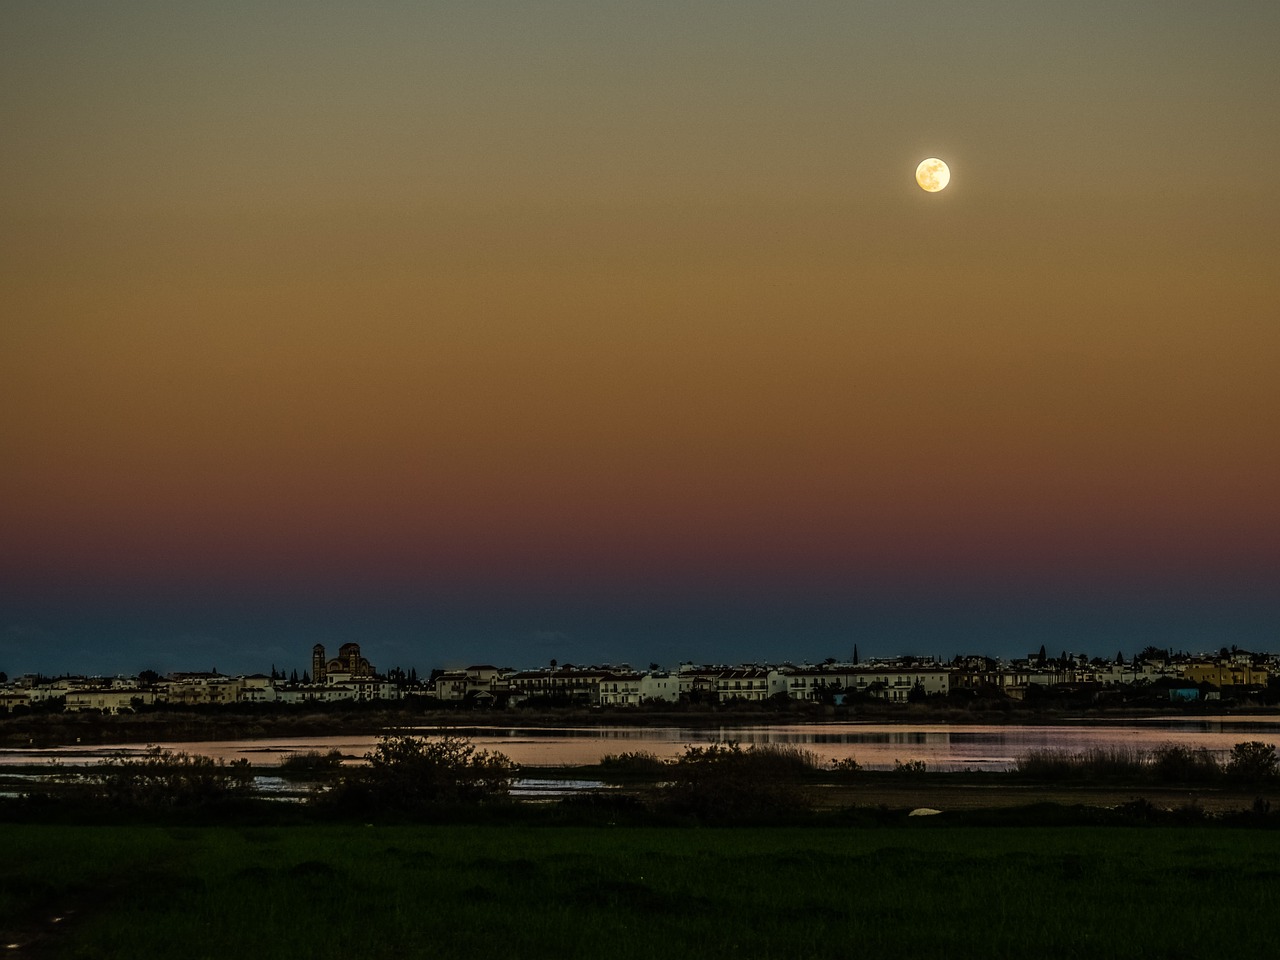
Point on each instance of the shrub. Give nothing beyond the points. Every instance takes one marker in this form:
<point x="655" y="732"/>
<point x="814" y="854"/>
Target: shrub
<point x="723" y="782"/>
<point x="1140" y="810"/>
<point x="161" y="779"/>
<point x="846" y="766"/>
<point x="781" y="760"/>
<point x="1252" y="761"/>
<point x="1114" y="762"/>
<point x="411" y="774"/>
<point x="313" y="761"/>
<point x="910" y="766"/>
<point x="1044" y="764"/>
<point x="729" y="751"/>
<point x="1175" y="763"/>
<point x="1092" y="764"/>
<point x="634" y="762"/>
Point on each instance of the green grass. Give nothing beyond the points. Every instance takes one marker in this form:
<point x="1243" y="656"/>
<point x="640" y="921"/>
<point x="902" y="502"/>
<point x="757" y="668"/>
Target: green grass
<point x="524" y="890"/>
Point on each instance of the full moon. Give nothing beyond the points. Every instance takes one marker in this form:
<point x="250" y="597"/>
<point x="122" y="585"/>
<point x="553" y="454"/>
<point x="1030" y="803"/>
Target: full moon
<point x="932" y="175"/>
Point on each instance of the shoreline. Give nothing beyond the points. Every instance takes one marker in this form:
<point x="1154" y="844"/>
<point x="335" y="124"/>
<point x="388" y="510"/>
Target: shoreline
<point x="218" y="723"/>
<point x="963" y="793"/>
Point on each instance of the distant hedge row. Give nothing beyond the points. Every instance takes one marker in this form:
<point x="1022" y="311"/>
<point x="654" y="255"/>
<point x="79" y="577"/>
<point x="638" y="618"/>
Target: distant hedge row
<point x="1251" y="762"/>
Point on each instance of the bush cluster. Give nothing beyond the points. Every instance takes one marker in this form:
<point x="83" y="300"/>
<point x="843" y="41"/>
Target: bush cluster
<point x="723" y="782"/>
<point x="633" y="763"/>
<point x="410" y="774"/>
<point x="1175" y="763"/>
<point x="1253" y="761"/>
<point x="1111" y="763"/>
<point x="446" y="776"/>
<point x="1250" y="762"/>
<point x="312" y="762"/>
<point x="161" y="780"/>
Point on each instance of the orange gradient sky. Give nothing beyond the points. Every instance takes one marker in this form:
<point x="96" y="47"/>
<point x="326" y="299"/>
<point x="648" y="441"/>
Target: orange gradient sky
<point x="477" y="303"/>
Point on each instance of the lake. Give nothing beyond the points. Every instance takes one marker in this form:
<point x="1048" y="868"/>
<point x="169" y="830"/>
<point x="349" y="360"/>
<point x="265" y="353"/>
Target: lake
<point x="876" y="746"/>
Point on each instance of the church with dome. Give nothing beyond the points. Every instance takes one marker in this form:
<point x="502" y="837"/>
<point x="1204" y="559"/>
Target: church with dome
<point x="347" y="665"/>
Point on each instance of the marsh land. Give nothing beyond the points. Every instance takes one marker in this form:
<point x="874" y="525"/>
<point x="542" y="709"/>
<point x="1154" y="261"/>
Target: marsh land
<point x="763" y="850"/>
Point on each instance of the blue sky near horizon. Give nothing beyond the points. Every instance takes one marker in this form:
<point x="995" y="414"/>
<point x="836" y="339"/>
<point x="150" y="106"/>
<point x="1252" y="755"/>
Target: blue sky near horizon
<point x="255" y="635"/>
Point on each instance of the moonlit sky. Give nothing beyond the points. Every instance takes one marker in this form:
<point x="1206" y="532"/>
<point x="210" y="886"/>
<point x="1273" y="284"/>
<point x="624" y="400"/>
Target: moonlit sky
<point x="497" y="331"/>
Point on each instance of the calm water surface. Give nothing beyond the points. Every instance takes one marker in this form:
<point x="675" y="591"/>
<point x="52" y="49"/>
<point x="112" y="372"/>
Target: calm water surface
<point x="874" y="745"/>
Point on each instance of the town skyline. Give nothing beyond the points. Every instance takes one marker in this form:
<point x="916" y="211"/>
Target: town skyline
<point x="345" y="676"/>
<point x="300" y="667"/>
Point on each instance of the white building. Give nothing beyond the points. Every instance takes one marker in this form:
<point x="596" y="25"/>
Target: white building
<point x="621" y="690"/>
<point x="886" y="681"/>
<point x="660" y="686"/>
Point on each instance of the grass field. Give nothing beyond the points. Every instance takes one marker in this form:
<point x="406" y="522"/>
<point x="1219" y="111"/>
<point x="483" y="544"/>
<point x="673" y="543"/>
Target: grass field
<point x="520" y="890"/>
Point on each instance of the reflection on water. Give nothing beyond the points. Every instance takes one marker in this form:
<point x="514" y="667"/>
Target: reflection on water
<point x="530" y="788"/>
<point x="875" y="746"/>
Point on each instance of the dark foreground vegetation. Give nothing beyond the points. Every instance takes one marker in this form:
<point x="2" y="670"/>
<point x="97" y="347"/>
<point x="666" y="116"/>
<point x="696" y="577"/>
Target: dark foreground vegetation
<point x="445" y="778"/>
<point x="421" y="852"/>
<point x="1251" y="762"/>
<point x="907" y="889"/>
